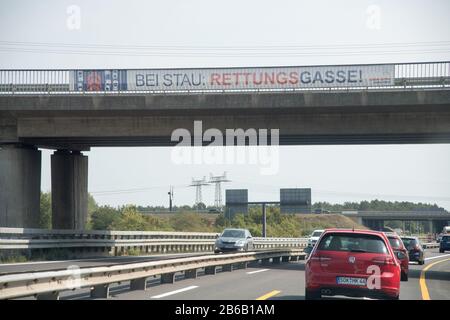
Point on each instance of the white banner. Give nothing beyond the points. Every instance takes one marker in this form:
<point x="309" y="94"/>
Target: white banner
<point x="232" y="78"/>
<point x="260" y="78"/>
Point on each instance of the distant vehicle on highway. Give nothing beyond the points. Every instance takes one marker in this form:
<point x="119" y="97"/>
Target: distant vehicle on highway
<point x="214" y="210"/>
<point x="234" y="240"/>
<point x="401" y="253"/>
<point x="445" y="230"/>
<point x="445" y="243"/>
<point x="319" y="211"/>
<point x="343" y="263"/>
<point x="415" y="250"/>
<point x="315" y="235"/>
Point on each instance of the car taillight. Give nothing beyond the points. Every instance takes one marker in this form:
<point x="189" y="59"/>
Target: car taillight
<point x="320" y="258"/>
<point x="383" y="260"/>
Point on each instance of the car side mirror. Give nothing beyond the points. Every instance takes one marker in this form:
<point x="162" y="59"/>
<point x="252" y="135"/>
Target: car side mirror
<point x="401" y="255"/>
<point x="249" y="237"/>
<point x="217" y="236"/>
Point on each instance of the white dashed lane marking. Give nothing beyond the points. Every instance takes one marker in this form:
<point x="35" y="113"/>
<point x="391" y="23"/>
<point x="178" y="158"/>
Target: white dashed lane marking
<point x="173" y="292"/>
<point x="257" y="271"/>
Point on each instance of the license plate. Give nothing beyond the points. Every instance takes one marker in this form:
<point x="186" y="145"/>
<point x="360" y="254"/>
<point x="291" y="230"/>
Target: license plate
<point x="351" y="281"/>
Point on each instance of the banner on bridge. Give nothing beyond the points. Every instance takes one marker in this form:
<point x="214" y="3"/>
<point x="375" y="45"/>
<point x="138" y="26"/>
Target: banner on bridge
<point x="233" y="78"/>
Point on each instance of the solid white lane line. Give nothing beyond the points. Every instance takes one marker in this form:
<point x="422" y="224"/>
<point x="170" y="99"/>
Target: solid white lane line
<point x="173" y="292"/>
<point x="431" y="258"/>
<point x="257" y="271"/>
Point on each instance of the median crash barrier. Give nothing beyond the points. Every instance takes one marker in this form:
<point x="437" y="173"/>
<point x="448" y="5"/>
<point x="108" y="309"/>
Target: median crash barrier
<point x="48" y="284"/>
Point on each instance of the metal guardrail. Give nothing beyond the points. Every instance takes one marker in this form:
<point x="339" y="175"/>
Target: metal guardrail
<point x="117" y="242"/>
<point x="407" y="76"/>
<point x="430" y="245"/>
<point x="429" y="213"/>
<point x="48" y="284"/>
<point x="107" y="234"/>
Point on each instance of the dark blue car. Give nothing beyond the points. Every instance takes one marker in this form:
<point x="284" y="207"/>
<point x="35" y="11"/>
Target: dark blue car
<point x="444" y="244"/>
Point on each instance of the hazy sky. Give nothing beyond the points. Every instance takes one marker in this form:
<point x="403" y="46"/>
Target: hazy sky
<point x="136" y="34"/>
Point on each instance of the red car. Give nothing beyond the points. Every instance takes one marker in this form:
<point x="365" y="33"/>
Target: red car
<point x="401" y="253"/>
<point x="355" y="263"/>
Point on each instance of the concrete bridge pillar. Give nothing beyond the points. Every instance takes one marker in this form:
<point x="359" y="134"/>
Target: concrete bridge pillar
<point x="69" y="189"/>
<point x="430" y="226"/>
<point x="374" y="224"/>
<point x="20" y="185"/>
<point x="380" y="225"/>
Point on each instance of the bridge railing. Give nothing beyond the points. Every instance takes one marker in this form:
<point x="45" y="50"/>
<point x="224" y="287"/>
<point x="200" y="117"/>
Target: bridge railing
<point x="406" y="76"/>
<point x="97" y="242"/>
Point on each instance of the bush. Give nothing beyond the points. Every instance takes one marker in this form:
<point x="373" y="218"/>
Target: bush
<point x="189" y="222"/>
<point x="104" y="218"/>
<point x="130" y="219"/>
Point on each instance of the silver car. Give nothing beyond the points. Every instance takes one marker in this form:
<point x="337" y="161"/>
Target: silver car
<point x="234" y="240"/>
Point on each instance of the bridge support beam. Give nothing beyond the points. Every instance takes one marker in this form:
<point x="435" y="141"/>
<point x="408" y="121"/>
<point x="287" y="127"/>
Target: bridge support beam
<point x="431" y="226"/>
<point x="20" y="185"/>
<point x="374" y="224"/>
<point x="69" y="190"/>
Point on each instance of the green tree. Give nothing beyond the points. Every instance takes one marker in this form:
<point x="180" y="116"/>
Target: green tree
<point x="189" y="222"/>
<point x="45" y="219"/>
<point x="92" y="207"/>
<point x="200" y="206"/>
<point x="130" y="219"/>
<point x="92" y="204"/>
<point x="104" y="218"/>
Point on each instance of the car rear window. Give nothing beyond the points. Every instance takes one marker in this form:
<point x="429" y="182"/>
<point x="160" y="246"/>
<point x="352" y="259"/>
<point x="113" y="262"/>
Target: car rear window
<point x="409" y="242"/>
<point x="395" y="243"/>
<point x="446" y="238"/>
<point x="352" y="242"/>
<point x="233" y="234"/>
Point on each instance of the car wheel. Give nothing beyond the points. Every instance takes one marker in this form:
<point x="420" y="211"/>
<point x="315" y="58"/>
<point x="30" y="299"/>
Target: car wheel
<point x="312" y="295"/>
<point x="441" y="251"/>
<point x="422" y="262"/>
<point x="216" y="251"/>
<point x="394" y="298"/>
<point x="404" y="276"/>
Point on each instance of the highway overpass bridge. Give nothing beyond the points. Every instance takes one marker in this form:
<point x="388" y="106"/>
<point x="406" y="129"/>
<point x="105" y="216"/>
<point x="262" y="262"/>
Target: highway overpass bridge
<point x="71" y="111"/>
<point x="375" y="219"/>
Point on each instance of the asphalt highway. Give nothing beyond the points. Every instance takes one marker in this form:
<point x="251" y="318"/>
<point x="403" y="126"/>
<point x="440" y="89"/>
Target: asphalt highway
<point x="283" y="281"/>
<point x="274" y="281"/>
